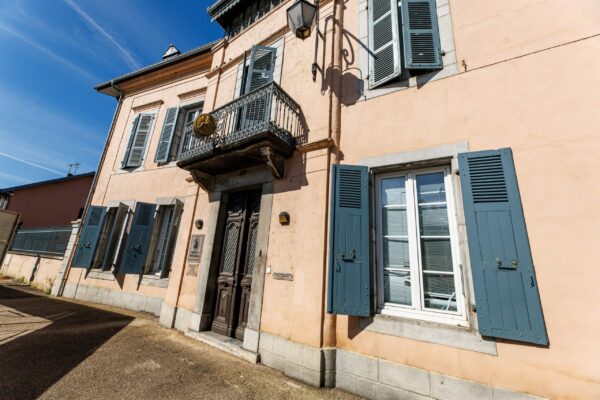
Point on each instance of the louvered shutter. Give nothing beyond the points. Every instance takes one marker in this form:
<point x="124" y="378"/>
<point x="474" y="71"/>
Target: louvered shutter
<point x="421" y="37"/>
<point x="138" y="241"/>
<point x="349" y="285"/>
<point x="88" y="239"/>
<point x="384" y="41"/>
<point x="262" y="65"/>
<point x="114" y="236"/>
<point x="167" y="255"/>
<point x="136" y="154"/>
<point x="130" y="142"/>
<point x="166" y="136"/>
<point x="506" y="294"/>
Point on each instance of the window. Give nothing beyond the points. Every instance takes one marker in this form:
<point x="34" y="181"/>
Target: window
<point x="247" y="14"/>
<point x="403" y="40"/>
<point x="187" y="132"/>
<point x="418" y="269"/>
<point x="138" y="139"/>
<point x="111" y="235"/>
<point x="163" y="241"/>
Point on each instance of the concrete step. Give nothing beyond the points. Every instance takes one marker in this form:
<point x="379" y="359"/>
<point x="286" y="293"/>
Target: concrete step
<point x="226" y="344"/>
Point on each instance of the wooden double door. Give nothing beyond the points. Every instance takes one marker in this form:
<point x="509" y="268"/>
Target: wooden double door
<point x="234" y="281"/>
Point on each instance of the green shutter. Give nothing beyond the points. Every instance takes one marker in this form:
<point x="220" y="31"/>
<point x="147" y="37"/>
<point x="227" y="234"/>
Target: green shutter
<point x="88" y="239"/>
<point x="166" y="136"/>
<point x="114" y="236"/>
<point x="506" y="294"/>
<point x="384" y="41"/>
<point x="138" y="144"/>
<point x="421" y="37"/>
<point x="130" y="141"/>
<point x="262" y="65"/>
<point x="138" y="241"/>
<point x="167" y="255"/>
<point x="349" y="283"/>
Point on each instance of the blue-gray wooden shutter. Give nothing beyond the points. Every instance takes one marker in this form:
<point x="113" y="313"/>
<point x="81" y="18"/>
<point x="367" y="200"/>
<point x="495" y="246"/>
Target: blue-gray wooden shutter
<point x="384" y="41"/>
<point x="130" y="141"/>
<point x="421" y="35"/>
<point x="262" y="66"/>
<point x="138" y="145"/>
<point x="506" y="294"/>
<point x="349" y="283"/>
<point x="114" y="236"/>
<point x="88" y="239"/>
<point x="166" y="136"/>
<point x="138" y="241"/>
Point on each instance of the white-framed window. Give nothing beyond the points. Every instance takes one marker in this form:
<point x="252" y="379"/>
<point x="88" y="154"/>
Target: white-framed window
<point x="418" y="266"/>
<point x="187" y="132"/>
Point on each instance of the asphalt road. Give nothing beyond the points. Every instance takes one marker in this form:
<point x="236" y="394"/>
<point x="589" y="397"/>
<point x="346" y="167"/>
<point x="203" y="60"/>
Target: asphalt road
<point x="61" y="349"/>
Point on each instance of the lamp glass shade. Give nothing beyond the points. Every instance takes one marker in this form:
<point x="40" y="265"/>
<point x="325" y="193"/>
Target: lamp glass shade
<point x="300" y="17"/>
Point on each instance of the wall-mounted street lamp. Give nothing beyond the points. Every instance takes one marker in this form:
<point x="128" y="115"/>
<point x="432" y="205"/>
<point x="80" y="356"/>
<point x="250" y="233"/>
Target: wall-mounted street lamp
<point x="300" y="20"/>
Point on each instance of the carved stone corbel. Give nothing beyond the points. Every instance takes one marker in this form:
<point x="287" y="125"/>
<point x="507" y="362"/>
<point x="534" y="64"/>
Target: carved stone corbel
<point x="274" y="161"/>
<point x="205" y="181"/>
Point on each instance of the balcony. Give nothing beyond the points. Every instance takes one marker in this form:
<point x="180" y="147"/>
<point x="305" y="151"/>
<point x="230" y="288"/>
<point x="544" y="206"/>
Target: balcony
<point x="259" y="128"/>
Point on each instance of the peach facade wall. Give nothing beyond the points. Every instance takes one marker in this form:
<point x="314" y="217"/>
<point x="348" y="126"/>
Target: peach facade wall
<point x="150" y="182"/>
<point x="21" y="266"/>
<point x="544" y="106"/>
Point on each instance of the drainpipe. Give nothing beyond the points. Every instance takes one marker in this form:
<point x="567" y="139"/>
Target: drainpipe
<point x="93" y="187"/>
<point x="335" y="113"/>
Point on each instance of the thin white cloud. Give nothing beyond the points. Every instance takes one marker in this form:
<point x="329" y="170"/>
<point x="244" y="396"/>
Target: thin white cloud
<point x="14" y="178"/>
<point x="48" y="52"/>
<point x="36" y="165"/>
<point x="126" y="54"/>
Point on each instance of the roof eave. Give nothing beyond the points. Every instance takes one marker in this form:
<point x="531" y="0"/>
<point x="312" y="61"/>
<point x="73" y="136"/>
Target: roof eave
<point x="109" y="88"/>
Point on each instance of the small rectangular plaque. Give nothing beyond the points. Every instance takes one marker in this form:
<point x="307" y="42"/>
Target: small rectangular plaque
<point x="283" y="276"/>
<point x="195" y="252"/>
<point x="192" y="269"/>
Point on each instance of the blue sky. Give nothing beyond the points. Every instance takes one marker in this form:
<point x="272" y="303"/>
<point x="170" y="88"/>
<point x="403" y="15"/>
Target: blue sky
<point x="52" y="54"/>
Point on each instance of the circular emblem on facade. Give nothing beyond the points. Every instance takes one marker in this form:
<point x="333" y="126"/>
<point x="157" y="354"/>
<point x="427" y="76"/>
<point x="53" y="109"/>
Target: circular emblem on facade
<point x="204" y="125"/>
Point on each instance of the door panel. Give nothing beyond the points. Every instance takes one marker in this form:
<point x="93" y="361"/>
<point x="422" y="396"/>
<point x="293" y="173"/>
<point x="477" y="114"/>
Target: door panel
<point x="233" y="283"/>
<point x="8" y="223"/>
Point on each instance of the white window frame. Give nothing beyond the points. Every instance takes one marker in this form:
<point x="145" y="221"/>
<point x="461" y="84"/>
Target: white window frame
<point x="417" y="310"/>
<point x="195" y="108"/>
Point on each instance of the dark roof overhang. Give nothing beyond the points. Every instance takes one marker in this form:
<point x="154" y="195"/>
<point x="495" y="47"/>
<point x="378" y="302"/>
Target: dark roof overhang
<point x="110" y="87"/>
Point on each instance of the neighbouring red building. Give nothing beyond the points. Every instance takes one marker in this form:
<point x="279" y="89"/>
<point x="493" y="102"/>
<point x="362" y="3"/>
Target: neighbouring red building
<point x="48" y="203"/>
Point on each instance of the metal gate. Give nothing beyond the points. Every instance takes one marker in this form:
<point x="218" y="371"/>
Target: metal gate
<point x="8" y="224"/>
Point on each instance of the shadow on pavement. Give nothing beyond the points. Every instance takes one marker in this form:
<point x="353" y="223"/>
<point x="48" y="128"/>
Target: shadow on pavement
<point x="34" y="361"/>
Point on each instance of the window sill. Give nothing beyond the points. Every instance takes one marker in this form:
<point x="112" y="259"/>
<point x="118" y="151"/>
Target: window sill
<point x="150" y="280"/>
<point x="103" y="275"/>
<point x="430" y="332"/>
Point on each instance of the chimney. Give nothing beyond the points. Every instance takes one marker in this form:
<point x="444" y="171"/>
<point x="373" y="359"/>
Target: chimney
<point x="171" y="52"/>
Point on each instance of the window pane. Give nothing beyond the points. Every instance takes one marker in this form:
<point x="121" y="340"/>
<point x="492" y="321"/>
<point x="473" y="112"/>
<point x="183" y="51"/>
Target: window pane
<point x="397" y="287"/>
<point x="394" y="222"/>
<point x="430" y="188"/>
<point x="437" y="255"/>
<point x="440" y="293"/>
<point x="433" y="220"/>
<point x="395" y="253"/>
<point x="393" y="191"/>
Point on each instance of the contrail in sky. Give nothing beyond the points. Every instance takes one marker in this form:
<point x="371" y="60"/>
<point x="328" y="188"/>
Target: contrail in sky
<point x="36" y="165"/>
<point x="127" y="55"/>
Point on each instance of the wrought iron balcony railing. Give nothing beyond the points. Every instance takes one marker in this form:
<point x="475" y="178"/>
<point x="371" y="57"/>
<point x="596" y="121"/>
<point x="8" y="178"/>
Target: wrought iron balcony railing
<point x="265" y="112"/>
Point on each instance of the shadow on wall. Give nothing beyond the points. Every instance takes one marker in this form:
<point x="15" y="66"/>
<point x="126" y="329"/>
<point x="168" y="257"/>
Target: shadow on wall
<point x="33" y="362"/>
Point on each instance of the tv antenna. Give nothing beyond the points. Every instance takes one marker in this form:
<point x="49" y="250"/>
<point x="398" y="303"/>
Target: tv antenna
<point x="73" y="169"/>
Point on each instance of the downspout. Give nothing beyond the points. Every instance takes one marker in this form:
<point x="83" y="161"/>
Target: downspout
<point x="93" y="187"/>
<point x="187" y="248"/>
<point x="335" y="113"/>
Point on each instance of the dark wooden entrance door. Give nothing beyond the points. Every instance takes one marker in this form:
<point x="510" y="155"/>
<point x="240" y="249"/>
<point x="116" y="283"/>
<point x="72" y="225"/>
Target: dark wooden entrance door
<point x="234" y="282"/>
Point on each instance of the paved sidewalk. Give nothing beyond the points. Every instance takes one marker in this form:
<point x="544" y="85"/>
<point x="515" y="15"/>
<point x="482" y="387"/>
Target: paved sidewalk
<point x="61" y="349"/>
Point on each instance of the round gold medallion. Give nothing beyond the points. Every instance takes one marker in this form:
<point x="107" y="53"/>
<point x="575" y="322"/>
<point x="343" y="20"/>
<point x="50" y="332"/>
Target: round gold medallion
<point x="204" y="125"/>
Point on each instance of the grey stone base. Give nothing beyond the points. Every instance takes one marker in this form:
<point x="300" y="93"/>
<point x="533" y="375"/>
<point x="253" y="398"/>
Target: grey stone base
<point x="224" y="343"/>
<point x="374" y="378"/>
<point x="308" y="364"/>
<point x="130" y="301"/>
